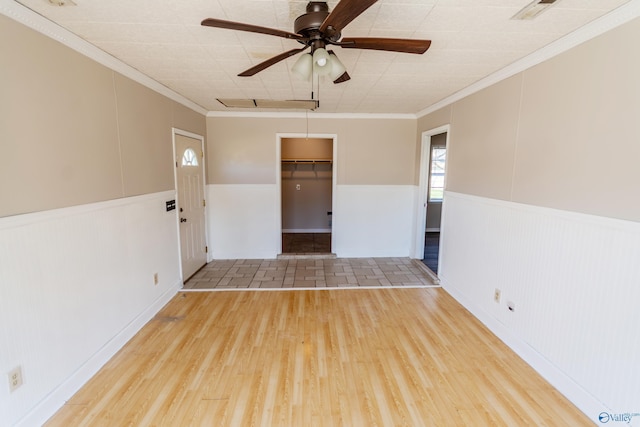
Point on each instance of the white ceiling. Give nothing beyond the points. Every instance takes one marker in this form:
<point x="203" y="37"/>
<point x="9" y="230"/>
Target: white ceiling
<point x="470" y="40"/>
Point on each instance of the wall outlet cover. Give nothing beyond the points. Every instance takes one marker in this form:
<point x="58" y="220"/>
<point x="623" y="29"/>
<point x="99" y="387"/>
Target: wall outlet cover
<point x="15" y="378"/>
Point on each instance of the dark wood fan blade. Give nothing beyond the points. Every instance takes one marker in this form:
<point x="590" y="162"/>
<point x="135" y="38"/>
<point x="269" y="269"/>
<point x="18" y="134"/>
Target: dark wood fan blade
<point x="229" y="25"/>
<point x="393" y="45"/>
<point x="269" y="62"/>
<point x="343" y="78"/>
<point x="345" y="12"/>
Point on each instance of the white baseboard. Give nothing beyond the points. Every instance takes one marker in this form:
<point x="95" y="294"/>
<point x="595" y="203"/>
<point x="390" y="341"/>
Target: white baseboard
<point x="58" y="397"/>
<point x="306" y="230"/>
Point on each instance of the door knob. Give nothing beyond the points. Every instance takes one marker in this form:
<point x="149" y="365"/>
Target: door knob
<point x="183" y="219"/>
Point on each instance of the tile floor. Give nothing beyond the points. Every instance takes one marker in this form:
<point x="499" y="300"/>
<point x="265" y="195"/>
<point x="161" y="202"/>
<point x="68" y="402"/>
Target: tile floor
<point x="305" y="272"/>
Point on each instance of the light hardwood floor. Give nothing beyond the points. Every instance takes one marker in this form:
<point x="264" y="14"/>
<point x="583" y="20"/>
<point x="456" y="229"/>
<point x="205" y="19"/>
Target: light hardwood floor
<point x="361" y="357"/>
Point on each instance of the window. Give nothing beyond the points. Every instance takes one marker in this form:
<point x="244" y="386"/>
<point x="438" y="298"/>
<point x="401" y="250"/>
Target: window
<point x="436" y="173"/>
<point x="189" y="158"/>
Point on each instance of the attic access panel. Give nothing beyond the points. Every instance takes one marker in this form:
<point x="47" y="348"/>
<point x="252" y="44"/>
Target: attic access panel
<point x="295" y="104"/>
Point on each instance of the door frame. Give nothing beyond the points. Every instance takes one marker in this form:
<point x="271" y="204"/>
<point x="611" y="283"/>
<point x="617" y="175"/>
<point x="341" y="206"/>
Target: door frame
<point x="174" y="132"/>
<point x="423" y="187"/>
<point x="334" y="181"/>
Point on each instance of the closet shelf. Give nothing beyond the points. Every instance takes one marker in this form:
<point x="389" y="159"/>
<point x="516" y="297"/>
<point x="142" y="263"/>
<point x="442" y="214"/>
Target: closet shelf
<point x="306" y="161"/>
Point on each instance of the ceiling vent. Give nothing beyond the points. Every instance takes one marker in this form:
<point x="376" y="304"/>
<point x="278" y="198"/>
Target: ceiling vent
<point x="534" y="9"/>
<point x="303" y="104"/>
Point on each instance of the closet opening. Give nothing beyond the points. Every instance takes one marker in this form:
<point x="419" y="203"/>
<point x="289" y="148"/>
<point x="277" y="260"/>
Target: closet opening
<point x="306" y="195"/>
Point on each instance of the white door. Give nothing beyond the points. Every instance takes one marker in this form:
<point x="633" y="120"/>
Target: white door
<point x="191" y="204"/>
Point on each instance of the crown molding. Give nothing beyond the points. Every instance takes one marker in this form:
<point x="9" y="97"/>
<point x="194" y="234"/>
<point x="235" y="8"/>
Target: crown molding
<point x="36" y="22"/>
<point x="614" y="19"/>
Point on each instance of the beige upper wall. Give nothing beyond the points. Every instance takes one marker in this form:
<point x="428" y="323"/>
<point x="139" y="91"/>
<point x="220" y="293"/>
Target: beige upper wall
<point x="57" y="125"/>
<point x="74" y="132"/>
<point x="563" y="134"/>
<point x="579" y="137"/>
<point x="186" y="119"/>
<point x="483" y="132"/>
<point x="144" y="117"/>
<point x="242" y="150"/>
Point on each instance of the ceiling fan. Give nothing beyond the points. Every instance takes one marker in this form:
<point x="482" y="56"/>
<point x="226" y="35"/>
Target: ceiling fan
<point x="317" y="29"/>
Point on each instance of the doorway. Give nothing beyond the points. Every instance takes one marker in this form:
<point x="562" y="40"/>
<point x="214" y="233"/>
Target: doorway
<point x="432" y="196"/>
<point x="189" y="181"/>
<point x="306" y="194"/>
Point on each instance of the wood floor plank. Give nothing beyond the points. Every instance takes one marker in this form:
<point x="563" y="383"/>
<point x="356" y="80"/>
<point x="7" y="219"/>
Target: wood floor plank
<point x="386" y="357"/>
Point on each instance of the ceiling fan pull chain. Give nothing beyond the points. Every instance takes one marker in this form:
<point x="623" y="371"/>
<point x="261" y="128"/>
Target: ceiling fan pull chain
<point x="312" y="79"/>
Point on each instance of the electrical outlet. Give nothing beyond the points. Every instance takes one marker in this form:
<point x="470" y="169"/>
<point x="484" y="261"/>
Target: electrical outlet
<point x="15" y="378"/>
<point x="496" y="295"/>
<point x="155" y="278"/>
<point x="298" y="187"/>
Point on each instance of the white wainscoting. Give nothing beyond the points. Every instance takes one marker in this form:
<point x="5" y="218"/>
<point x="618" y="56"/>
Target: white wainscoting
<point x="75" y="285"/>
<point x="368" y="221"/>
<point x="373" y="220"/>
<point x="575" y="282"/>
<point x="243" y="221"/>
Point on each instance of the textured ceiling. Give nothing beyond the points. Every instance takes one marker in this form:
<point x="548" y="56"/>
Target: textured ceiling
<point x="471" y="39"/>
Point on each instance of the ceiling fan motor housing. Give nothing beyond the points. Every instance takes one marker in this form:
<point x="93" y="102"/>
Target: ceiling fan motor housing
<point x="309" y="23"/>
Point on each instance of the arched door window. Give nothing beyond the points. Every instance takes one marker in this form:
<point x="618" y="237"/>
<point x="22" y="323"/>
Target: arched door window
<point x="189" y="158"/>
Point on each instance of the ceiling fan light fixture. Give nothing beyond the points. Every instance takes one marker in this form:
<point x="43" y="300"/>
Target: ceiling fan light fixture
<point x="303" y="66"/>
<point x="337" y="67"/>
<point x="321" y="62"/>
